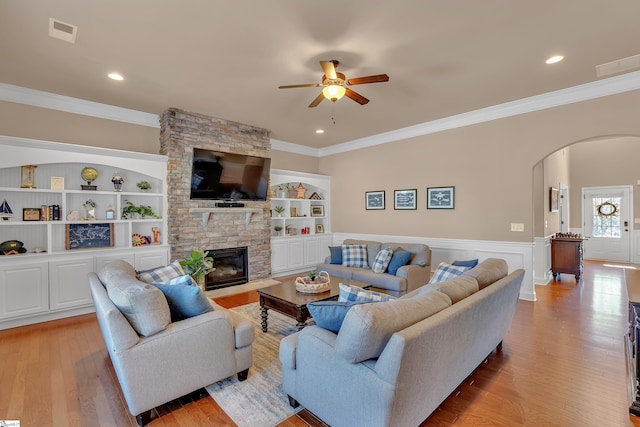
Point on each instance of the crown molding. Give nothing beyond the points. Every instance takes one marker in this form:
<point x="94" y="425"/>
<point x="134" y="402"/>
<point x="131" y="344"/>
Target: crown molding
<point x="38" y="98"/>
<point x="294" y="148"/>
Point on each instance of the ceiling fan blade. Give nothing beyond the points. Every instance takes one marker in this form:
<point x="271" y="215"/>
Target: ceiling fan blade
<point x="317" y="101"/>
<point x="329" y="69"/>
<point x="378" y="78"/>
<point x="304" y="85"/>
<point x="356" y="96"/>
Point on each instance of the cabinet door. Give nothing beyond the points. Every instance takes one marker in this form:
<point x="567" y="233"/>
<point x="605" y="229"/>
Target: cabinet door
<point x="24" y="288"/>
<point x="68" y="283"/>
<point x="279" y="255"/>
<point x="295" y="253"/>
<point x="151" y="259"/>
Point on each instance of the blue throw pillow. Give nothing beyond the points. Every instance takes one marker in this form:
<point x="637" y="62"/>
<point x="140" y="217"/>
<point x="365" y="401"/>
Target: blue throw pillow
<point x="336" y="254"/>
<point x="469" y="263"/>
<point x="329" y="315"/>
<point x="400" y="257"/>
<point x="184" y="301"/>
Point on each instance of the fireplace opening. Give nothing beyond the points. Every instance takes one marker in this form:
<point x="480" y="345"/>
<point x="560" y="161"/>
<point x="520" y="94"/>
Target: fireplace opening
<point x="230" y="268"/>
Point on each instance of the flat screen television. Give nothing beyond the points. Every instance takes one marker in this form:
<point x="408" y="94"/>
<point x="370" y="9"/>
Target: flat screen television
<point x="217" y="175"/>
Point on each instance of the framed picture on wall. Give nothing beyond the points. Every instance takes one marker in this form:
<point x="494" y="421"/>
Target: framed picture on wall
<point x="374" y="200"/>
<point x="404" y="199"/>
<point x="553" y="199"/>
<point x="441" y="197"/>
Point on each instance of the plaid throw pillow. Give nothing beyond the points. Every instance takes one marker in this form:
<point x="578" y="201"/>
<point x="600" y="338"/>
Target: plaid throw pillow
<point x="161" y="274"/>
<point x="446" y="271"/>
<point x="354" y="256"/>
<point x="382" y="260"/>
<point x="357" y="294"/>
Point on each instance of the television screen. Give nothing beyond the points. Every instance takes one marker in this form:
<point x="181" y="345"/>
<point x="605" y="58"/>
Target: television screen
<point x="216" y="175"/>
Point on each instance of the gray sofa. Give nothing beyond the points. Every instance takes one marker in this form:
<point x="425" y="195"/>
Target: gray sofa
<point x="406" y="279"/>
<point x="180" y="358"/>
<point x="393" y="363"/>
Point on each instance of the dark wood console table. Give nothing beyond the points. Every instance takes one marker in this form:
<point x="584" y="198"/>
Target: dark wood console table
<point x="632" y="340"/>
<point x="566" y="256"/>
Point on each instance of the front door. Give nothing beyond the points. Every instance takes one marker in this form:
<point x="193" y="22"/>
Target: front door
<point x="606" y="216"/>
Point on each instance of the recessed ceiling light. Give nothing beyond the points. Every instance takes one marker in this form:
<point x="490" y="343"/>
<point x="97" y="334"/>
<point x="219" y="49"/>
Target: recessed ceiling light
<point x="115" y="76"/>
<point x="319" y="130"/>
<point x="554" y="59"/>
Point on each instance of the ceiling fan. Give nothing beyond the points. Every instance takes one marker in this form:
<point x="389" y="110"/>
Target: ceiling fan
<point x="334" y="84"/>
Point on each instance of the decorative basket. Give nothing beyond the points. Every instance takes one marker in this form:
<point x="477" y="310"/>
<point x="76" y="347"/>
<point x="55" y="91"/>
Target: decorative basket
<point x="307" y="286"/>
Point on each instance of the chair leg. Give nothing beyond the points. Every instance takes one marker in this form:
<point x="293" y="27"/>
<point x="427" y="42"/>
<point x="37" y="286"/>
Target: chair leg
<point x="143" y="418"/>
<point x="242" y="375"/>
<point x="292" y="402"/>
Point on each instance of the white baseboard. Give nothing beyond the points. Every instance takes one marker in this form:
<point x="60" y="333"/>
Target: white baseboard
<point x="516" y="254"/>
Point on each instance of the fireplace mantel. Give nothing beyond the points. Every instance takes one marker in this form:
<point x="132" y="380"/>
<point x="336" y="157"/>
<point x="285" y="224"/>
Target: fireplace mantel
<point x="206" y="213"/>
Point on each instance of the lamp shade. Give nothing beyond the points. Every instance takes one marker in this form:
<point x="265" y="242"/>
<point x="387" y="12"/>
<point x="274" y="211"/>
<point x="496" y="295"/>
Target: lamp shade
<point x="333" y="92"/>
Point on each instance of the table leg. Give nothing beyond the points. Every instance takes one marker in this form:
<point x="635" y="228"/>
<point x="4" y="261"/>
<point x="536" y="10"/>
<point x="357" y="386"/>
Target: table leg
<point x="264" y="316"/>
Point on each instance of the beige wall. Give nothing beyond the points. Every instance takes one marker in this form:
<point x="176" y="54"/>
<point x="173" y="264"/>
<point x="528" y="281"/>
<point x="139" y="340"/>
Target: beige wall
<point x="555" y="174"/>
<point x="294" y="162"/>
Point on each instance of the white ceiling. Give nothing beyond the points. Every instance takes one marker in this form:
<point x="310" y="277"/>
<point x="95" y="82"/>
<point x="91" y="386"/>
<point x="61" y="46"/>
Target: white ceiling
<point x="227" y="58"/>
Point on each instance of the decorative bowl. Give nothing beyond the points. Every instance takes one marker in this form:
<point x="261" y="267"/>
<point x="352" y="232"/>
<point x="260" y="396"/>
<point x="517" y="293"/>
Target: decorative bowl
<point x="321" y="283"/>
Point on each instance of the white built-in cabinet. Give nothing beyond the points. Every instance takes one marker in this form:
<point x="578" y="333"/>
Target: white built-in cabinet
<point x="296" y="251"/>
<point x="49" y="281"/>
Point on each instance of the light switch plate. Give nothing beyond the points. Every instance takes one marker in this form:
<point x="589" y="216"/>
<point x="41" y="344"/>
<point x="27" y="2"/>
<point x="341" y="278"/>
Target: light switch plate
<point x="636" y="220"/>
<point x="517" y="226"/>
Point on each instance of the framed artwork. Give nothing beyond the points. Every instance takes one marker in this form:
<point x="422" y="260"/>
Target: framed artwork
<point x="405" y="199"/>
<point x="440" y="197"/>
<point x="553" y="199"/>
<point x="317" y="210"/>
<point x="31" y="214"/>
<point x="89" y="235"/>
<point x="319" y="228"/>
<point x="374" y="200"/>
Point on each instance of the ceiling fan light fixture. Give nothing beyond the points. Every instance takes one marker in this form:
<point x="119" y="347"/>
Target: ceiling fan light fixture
<point x="333" y="92"/>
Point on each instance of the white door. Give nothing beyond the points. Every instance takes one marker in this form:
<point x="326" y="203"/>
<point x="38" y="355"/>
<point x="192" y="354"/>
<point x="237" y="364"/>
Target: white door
<point x="606" y="216"/>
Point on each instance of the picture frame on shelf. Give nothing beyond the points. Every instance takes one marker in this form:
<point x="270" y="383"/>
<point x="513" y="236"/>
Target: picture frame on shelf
<point x="317" y="210"/>
<point x="405" y="199"/>
<point x="319" y="228"/>
<point x="89" y="235"/>
<point x="374" y="200"/>
<point x="31" y="214"/>
<point x="441" y="197"/>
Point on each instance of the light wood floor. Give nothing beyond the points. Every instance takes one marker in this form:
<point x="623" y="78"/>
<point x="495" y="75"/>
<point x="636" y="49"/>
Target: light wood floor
<point x="562" y="365"/>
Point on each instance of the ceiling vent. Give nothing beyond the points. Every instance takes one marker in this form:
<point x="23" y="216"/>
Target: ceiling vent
<point x="618" y="66"/>
<point x="62" y="30"/>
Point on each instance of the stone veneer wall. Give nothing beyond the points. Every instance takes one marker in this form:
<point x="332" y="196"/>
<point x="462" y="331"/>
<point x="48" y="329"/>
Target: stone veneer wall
<point x="180" y="132"/>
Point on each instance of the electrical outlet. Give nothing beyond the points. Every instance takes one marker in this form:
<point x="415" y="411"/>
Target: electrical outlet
<point x="517" y="226"/>
<point x="636" y="220"/>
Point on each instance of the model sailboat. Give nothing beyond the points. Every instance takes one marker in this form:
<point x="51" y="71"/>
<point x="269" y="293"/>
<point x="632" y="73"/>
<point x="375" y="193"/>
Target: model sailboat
<point x="5" y="211"/>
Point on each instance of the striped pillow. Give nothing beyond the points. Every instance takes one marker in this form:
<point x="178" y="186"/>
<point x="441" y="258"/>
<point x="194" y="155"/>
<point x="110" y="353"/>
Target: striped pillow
<point x="161" y="274"/>
<point x="446" y="271"/>
<point x="357" y="294"/>
<point x="382" y="260"/>
<point x="354" y="256"/>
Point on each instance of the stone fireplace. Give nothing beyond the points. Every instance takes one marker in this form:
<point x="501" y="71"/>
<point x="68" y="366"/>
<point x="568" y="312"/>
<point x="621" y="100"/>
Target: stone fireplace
<point x="180" y="132"/>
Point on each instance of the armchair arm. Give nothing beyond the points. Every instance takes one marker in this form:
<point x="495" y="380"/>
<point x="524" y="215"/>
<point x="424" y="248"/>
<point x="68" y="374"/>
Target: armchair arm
<point x="415" y="275"/>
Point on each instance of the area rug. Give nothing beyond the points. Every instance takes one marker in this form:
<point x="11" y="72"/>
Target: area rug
<point x="259" y="401"/>
<point x="232" y="290"/>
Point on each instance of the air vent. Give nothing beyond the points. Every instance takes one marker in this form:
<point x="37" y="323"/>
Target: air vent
<point x="618" y="66"/>
<point x="62" y="30"/>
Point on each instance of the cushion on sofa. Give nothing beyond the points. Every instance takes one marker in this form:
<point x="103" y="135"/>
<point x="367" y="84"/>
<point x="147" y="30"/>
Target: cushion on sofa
<point x="330" y="314"/>
<point x="400" y="257"/>
<point x="457" y="288"/>
<point x="184" y="301"/>
<point x="488" y="271"/>
<point x="467" y="263"/>
<point x="372" y="248"/>
<point x="115" y="268"/>
<point x="144" y="305"/>
<point x="161" y="274"/>
<point x="382" y="260"/>
<point x="336" y="254"/>
<point x="357" y="294"/>
<point x="420" y="253"/>
<point x="446" y="271"/>
<point x="354" y="256"/>
<point x="367" y="327"/>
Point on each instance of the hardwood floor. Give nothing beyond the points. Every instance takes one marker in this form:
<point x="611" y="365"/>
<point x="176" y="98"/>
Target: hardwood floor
<point x="562" y="364"/>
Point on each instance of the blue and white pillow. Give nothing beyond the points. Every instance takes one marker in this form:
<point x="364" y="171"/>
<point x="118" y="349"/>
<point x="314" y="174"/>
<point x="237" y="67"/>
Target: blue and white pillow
<point x="382" y="260"/>
<point x="354" y="256"/>
<point x="447" y="271"/>
<point x="161" y="274"/>
<point x="357" y="294"/>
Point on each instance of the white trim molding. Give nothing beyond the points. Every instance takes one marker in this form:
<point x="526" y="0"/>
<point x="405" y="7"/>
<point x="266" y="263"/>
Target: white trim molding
<point x="542" y="260"/>
<point x="516" y="254"/>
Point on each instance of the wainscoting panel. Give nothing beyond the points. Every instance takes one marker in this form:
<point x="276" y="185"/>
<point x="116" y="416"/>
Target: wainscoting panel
<point x="516" y="254"/>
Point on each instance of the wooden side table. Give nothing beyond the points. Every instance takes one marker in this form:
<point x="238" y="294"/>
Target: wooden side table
<point x="566" y="256"/>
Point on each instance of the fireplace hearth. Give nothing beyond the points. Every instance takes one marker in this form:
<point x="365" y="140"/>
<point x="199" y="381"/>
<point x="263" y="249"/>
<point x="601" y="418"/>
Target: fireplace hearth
<point x="230" y="268"/>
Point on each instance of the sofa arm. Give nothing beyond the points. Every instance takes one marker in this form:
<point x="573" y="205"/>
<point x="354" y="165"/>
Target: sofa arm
<point x="287" y="352"/>
<point x="242" y="327"/>
<point x="415" y="275"/>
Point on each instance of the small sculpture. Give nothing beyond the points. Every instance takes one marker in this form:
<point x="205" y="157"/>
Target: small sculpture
<point x="5" y="211"/>
<point x="90" y="207"/>
<point x="156" y="235"/>
<point x="117" y="180"/>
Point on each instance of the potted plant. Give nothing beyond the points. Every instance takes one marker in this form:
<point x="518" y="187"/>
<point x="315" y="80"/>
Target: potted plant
<point x="279" y="210"/>
<point x="282" y="191"/>
<point x="277" y="229"/>
<point x="130" y="210"/>
<point x="198" y="265"/>
<point x="144" y="186"/>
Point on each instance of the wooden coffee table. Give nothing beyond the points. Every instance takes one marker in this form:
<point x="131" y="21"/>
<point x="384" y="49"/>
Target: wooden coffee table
<point x="284" y="299"/>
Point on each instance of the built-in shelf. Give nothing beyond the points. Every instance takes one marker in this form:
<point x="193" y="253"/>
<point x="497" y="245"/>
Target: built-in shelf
<point x="206" y="213"/>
